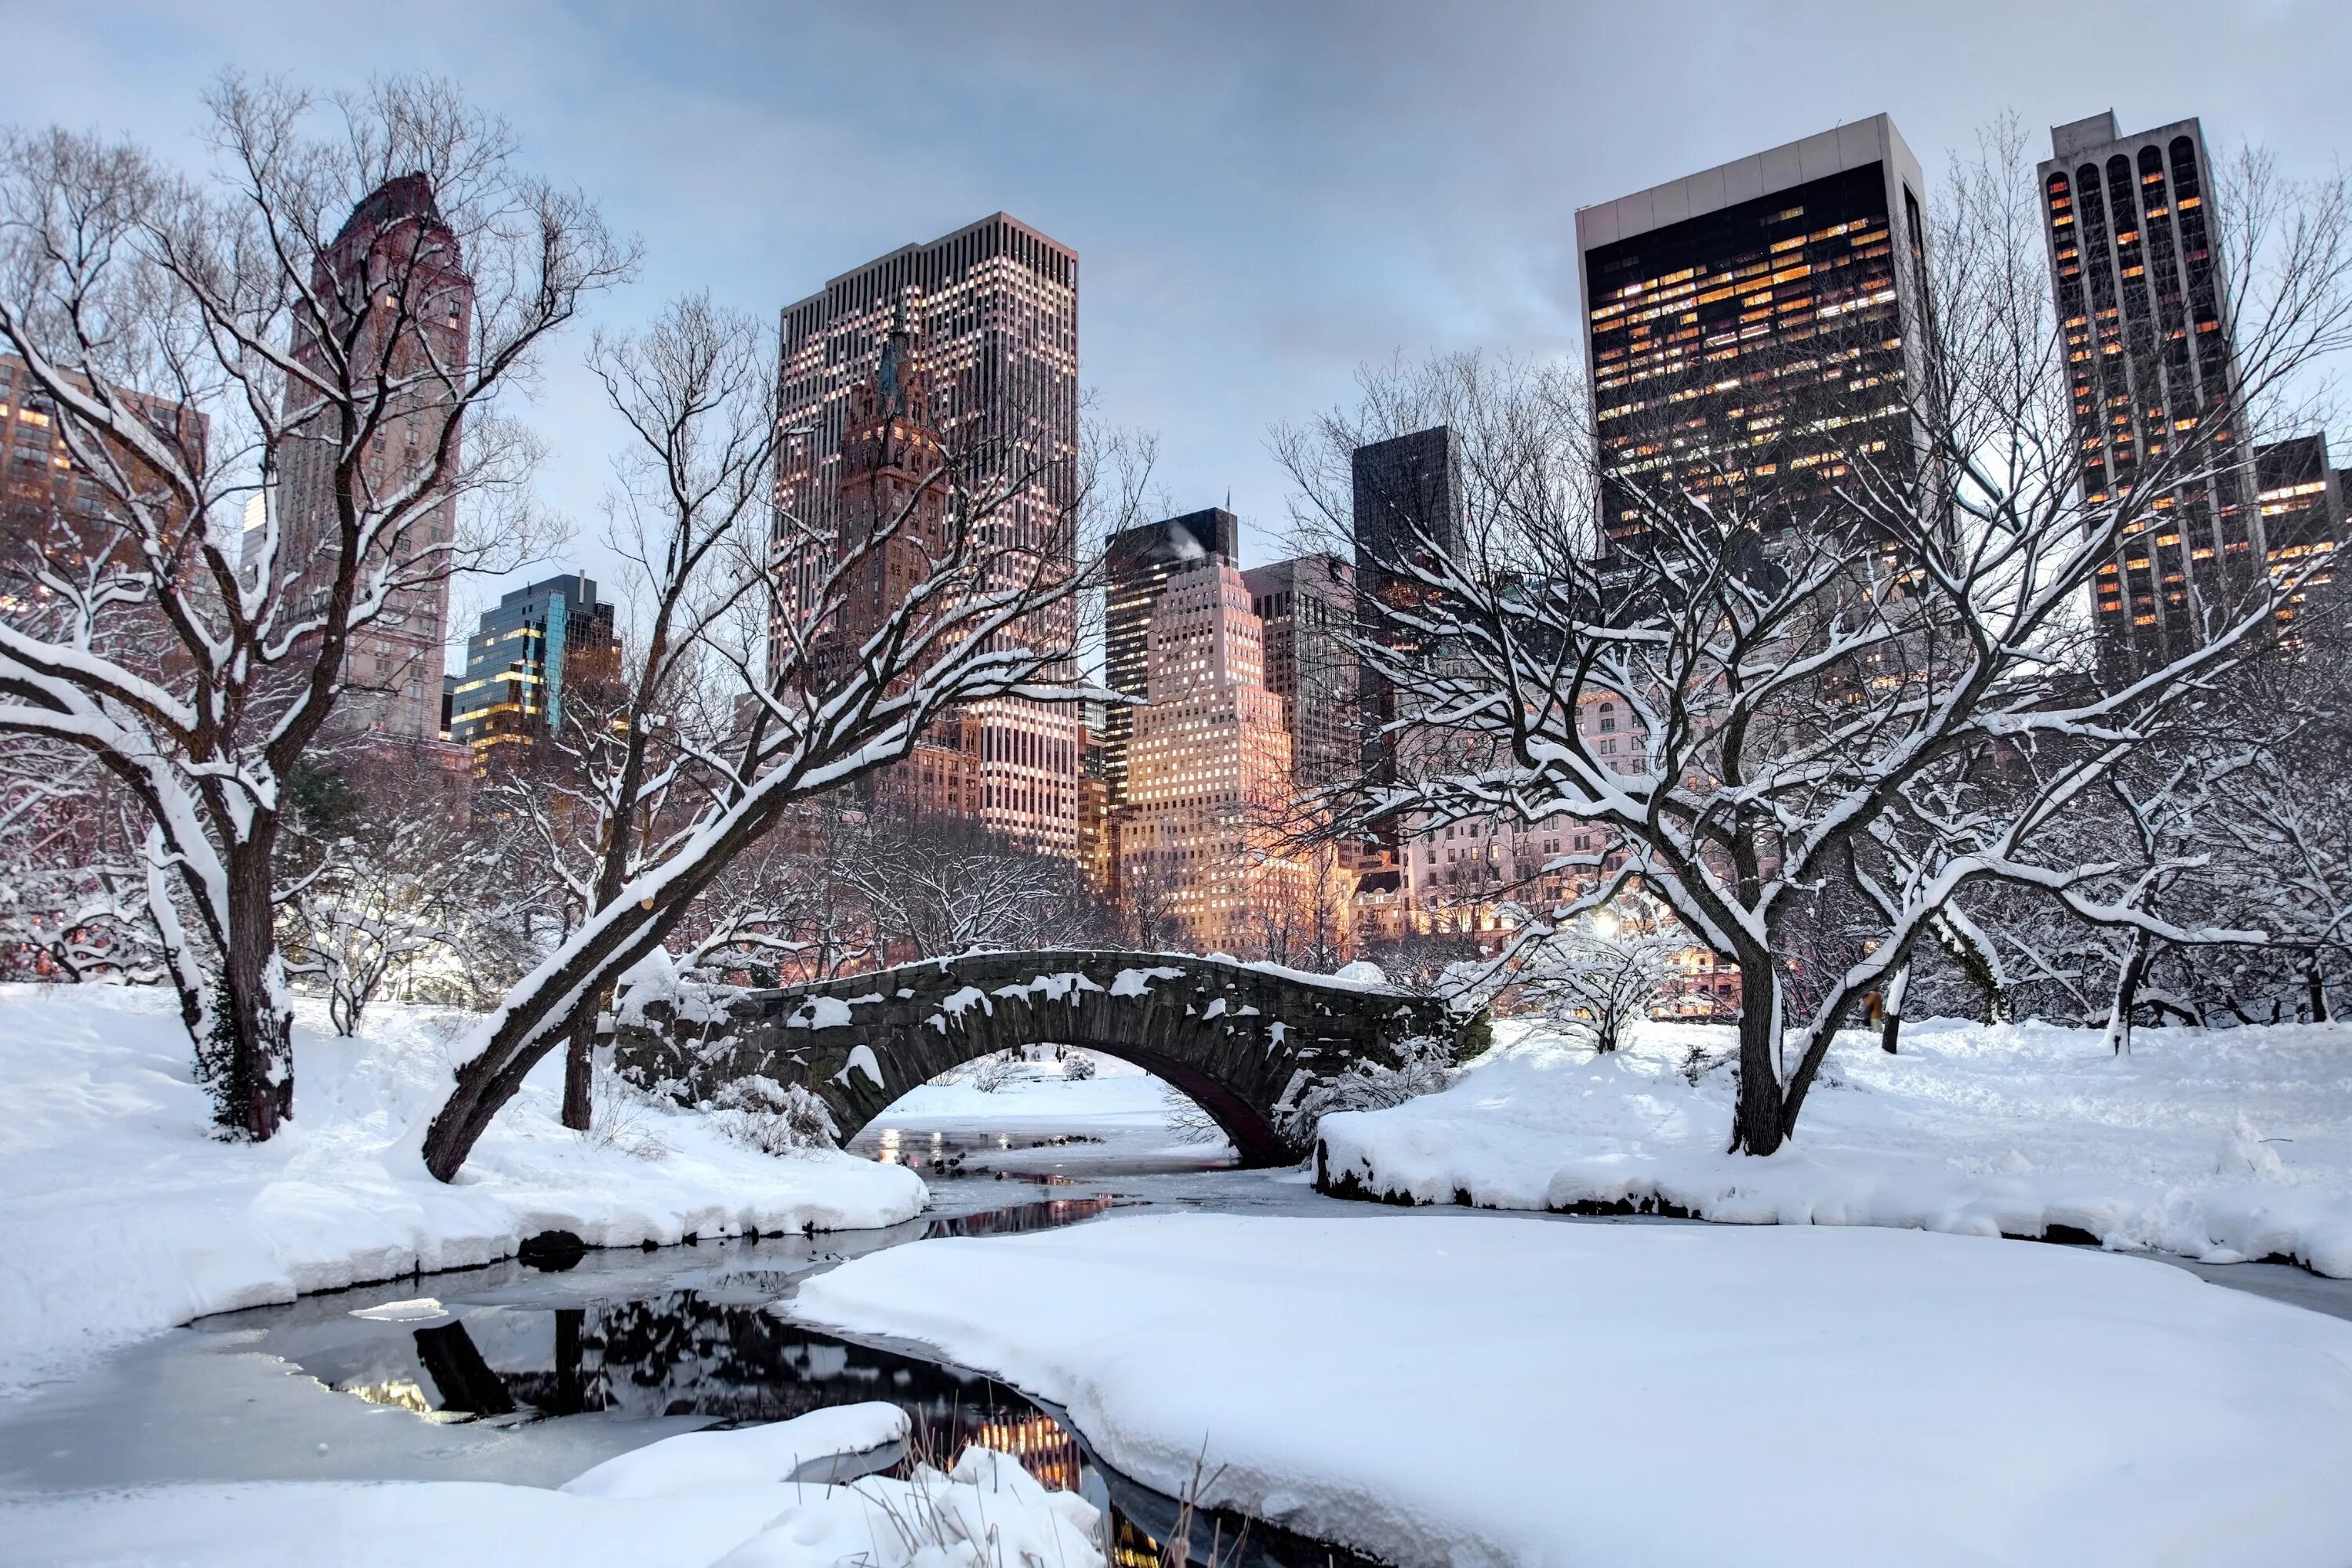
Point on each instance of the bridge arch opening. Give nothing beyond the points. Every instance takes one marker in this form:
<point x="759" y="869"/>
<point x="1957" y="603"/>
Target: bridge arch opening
<point x="1253" y="1136"/>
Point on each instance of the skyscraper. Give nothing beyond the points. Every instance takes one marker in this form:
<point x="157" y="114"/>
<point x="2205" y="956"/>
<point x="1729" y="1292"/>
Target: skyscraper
<point x="2143" y="304"/>
<point x="1307" y="607"/>
<point x="1209" y="768"/>
<point x="1137" y="565"/>
<point x="402" y="305"/>
<point x="523" y="655"/>
<point x="986" y="321"/>
<point x="1750" y="330"/>
<point x="1407" y="500"/>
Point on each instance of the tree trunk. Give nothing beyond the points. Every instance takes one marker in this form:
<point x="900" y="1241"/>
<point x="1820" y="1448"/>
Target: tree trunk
<point x="2127" y="978"/>
<point x="578" y="1069"/>
<point x="1756" y="1121"/>
<point x="252" y="1027"/>
<point x="2318" y="988"/>
<point x="1890" y="1027"/>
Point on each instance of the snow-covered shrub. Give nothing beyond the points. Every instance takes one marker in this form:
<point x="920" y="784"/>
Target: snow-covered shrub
<point x="1425" y="1065"/>
<point x="620" y="1116"/>
<point x="994" y="1072"/>
<point x="776" y="1118"/>
<point x="1077" y="1067"/>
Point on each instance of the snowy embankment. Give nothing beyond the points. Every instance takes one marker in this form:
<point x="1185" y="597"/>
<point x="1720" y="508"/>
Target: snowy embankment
<point x="1478" y="1390"/>
<point x="2222" y="1145"/>
<point x="120" y="1216"/>
<point x="705" y="1497"/>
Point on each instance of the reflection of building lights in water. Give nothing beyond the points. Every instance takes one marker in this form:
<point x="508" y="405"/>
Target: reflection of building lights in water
<point x="1046" y="1451"/>
<point x="402" y="1392"/>
<point x="889" y="1154"/>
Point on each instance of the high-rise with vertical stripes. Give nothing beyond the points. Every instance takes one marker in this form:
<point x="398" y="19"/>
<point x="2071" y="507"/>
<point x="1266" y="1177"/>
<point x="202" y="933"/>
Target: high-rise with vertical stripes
<point x="2151" y="362"/>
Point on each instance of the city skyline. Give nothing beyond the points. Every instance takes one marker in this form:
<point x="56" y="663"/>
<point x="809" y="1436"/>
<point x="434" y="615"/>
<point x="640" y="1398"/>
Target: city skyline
<point x="1216" y="305"/>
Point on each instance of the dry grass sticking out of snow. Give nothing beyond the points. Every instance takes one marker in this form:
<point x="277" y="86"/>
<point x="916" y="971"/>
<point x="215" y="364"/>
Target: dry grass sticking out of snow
<point x="124" y="1217"/>
<point x="2220" y="1145"/>
<point x="702" y="1499"/>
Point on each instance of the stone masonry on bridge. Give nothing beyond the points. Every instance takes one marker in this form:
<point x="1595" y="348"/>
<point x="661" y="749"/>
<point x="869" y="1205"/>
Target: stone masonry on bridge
<point x="1244" y="1040"/>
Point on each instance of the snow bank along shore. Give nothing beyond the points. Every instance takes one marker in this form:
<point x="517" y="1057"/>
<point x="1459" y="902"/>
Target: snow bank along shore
<point x="1477" y="1390"/>
<point x="2221" y="1145"/>
<point x="699" y="1499"/>
<point x="119" y="1215"/>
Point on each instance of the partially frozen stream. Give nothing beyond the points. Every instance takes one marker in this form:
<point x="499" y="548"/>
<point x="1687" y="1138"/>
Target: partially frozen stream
<point x="529" y="1376"/>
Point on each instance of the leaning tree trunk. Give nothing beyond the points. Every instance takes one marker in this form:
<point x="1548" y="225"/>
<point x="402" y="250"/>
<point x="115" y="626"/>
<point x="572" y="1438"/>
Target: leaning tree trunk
<point x="1756" y="1124"/>
<point x="1890" y="1027"/>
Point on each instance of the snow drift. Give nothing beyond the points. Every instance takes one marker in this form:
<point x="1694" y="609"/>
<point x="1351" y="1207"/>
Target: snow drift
<point x="2223" y="1145"/>
<point x="1477" y="1390"/>
<point x="124" y="1217"/>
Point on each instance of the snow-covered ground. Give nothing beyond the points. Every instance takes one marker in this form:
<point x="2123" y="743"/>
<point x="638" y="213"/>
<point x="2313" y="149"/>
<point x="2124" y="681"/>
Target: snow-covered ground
<point x="2220" y="1145"/>
<point x="1482" y="1390"/>
<point x="120" y="1216"/>
<point x="699" y="1499"/>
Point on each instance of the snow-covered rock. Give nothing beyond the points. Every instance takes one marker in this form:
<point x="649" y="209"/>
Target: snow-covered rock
<point x="1482" y="1390"/>
<point x="2222" y="1145"/>
<point x="122" y="1215"/>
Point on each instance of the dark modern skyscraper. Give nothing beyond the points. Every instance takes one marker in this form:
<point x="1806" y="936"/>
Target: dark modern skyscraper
<point x="1407" y="498"/>
<point x="1137" y="562"/>
<point x="2143" y="300"/>
<point x="520" y="658"/>
<point x="990" y="317"/>
<point x="1750" y="329"/>
<point x="2302" y="502"/>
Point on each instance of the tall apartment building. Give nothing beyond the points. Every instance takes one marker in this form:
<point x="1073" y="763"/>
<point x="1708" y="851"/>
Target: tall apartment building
<point x="1137" y="565"/>
<point x="2143" y="300"/>
<point x="987" y="318"/>
<point x="1750" y="330"/>
<point x="1407" y="498"/>
<point x="402" y="301"/>
<point x="1307" y="606"/>
<point x="537" y="641"/>
<point x="1207" y="765"/>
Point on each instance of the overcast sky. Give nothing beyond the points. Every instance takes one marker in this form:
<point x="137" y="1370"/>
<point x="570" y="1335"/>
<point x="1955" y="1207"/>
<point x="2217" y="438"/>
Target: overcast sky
<point x="1262" y="196"/>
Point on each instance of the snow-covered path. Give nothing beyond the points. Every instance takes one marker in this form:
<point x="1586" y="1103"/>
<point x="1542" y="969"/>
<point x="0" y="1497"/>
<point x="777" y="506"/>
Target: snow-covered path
<point x="2220" y="1145"/>
<point x="1476" y="1390"/>
<point x="119" y="1216"/>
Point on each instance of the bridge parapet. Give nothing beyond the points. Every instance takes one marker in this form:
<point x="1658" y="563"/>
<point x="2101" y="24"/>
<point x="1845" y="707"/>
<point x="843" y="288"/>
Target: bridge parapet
<point x="1244" y="1040"/>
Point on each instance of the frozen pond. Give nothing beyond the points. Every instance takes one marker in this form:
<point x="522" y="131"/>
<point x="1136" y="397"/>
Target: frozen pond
<point x="531" y="1374"/>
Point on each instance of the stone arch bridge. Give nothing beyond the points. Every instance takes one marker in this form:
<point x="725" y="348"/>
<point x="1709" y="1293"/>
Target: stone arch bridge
<point x="1244" y="1040"/>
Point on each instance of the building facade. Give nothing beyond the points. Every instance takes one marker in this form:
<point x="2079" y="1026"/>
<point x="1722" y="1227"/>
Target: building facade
<point x="1406" y="495"/>
<point x="2143" y="302"/>
<point x="53" y="512"/>
<point x="1307" y="607"/>
<point x="1137" y="565"/>
<point x="523" y="654"/>
<point x="1209" y="768"/>
<point x="403" y="305"/>
<point x="1750" y="330"/>
<point x="986" y="321"/>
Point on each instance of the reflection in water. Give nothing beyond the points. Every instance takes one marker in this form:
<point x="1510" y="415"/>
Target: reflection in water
<point x="1044" y="1214"/>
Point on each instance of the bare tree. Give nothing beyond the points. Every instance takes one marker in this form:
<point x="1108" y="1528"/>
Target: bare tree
<point x="1849" y="684"/>
<point x="196" y="340"/>
<point x="935" y="887"/>
<point x="768" y="670"/>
